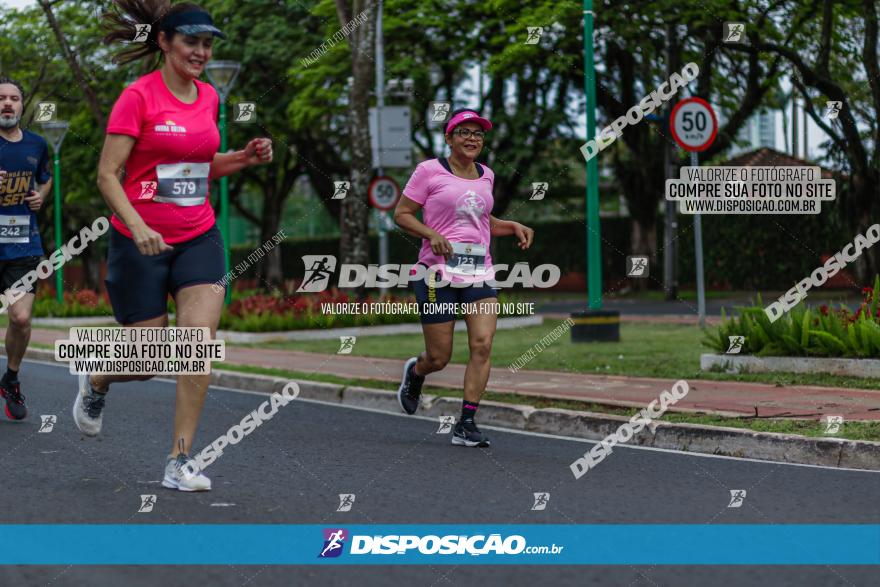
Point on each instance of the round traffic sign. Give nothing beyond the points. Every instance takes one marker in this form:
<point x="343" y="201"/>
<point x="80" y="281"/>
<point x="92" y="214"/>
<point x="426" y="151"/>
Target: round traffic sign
<point x="384" y="193"/>
<point x="693" y="124"/>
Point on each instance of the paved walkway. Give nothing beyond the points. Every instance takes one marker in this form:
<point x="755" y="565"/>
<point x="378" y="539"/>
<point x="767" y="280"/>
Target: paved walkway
<point x="718" y="397"/>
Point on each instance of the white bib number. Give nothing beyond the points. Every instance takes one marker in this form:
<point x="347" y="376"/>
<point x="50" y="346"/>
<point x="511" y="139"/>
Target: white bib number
<point x="467" y="259"/>
<point x="183" y="184"/>
<point x="15" y="229"/>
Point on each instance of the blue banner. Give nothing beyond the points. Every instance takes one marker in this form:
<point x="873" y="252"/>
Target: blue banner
<point x="608" y="544"/>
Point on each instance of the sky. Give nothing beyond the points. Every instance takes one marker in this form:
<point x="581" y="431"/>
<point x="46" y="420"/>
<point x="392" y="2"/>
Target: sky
<point x="17" y="3"/>
<point x="816" y="135"/>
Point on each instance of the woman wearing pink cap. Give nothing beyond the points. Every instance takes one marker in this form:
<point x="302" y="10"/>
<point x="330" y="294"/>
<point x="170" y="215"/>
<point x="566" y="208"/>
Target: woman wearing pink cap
<point x="455" y="197"/>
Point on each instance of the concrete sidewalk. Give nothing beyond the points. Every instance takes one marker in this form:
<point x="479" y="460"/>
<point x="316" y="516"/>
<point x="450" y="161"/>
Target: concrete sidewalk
<point x="715" y="397"/>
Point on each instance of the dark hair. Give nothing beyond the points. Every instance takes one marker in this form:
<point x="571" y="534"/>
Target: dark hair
<point x="121" y="19"/>
<point x="7" y="80"/>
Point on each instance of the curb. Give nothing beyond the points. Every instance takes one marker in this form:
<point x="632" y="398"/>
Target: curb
<point x="716" y="440"/>
<point x="755" y="364"/>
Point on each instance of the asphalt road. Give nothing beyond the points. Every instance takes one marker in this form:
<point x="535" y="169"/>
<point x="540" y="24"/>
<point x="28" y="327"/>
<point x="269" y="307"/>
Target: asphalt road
<point x="291" y="470"/>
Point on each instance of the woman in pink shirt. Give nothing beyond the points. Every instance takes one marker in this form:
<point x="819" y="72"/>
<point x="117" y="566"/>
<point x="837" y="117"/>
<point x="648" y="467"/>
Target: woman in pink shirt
<point x="164" y="239"/>
<point x="455" y="197"/>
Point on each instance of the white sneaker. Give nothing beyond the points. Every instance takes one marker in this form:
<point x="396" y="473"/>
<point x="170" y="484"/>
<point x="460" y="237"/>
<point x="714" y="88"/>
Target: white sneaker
<point x="183" y="474"/>
<point x="88" y="407"/>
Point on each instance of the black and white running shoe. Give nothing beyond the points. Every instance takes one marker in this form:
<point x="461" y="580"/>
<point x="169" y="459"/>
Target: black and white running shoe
<point x="16" y="409"/>
<point x="466" y="433"/>
<point x="88" y="407"/>
<point x="410" y="391"/>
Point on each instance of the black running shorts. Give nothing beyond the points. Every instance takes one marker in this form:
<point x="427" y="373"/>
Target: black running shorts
<point x="11" y="270"/>
<point x="431" y="298"/>
<point x="139" y="285"/>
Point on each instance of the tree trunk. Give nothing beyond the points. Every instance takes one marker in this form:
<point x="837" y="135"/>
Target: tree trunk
<point x="643" y="241"/>
<point x="269" y="274"/>
<point x="75" y="68"/>
<point x="354" y="243"/>
<point x="868" y="263"/>
<point x="91" y="269"/>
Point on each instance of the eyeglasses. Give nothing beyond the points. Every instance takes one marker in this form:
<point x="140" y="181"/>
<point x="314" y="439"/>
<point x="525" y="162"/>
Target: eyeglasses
<point x="467" y="133"/>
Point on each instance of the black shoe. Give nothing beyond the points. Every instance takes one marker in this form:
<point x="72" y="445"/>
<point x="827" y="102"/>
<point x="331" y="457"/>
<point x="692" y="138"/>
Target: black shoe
<point x="410" y="390"/>
<point x="466" y="433"/>
<point x="15" y="406"/>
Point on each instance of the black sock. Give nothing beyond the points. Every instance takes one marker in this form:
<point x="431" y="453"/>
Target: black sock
<point x="93" y="390"/>
<point x="412" y="371"/>
<point x="469" y="409"/>
<point x="10" y="375"/>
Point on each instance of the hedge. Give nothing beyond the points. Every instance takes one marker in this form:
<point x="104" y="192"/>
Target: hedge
<point x="740" y="252"/>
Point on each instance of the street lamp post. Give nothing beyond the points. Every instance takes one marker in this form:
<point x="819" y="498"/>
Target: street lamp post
<point x="594" y="324"/>
<point x="54" y="132"/>
<point x="222" y="75"/>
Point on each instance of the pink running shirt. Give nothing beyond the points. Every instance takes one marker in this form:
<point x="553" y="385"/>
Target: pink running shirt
<point x="168" y="131"/>
<point x="455" y="207"/>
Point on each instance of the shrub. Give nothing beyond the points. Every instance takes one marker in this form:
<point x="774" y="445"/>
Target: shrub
<point x="806" y="332"/>
<point x="264" y="313"/>
<point x="85" y="302"/>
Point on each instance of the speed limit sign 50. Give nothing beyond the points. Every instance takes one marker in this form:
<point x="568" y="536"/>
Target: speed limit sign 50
<point x="693" y="124"/>
<point x="384" y="193"/>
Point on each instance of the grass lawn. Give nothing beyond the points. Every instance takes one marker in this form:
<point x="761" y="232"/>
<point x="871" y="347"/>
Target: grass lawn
<point x="669" y="351"/>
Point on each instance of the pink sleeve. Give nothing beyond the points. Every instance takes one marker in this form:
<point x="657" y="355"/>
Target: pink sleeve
<point x="417" y="187"/>
<point x="127" y="114"/>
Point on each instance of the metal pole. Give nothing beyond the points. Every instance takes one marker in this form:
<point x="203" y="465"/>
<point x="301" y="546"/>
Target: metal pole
<point x="670" y="284"/>
<point x="594" y="255"/>
<point x="381" y="217"/>
<point x="698" y="253"/>
<point x="224" y="199"/>
<point x="56" y="180"/>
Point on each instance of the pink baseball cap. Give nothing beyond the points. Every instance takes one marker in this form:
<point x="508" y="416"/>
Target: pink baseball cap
<point x="468" y="116"/>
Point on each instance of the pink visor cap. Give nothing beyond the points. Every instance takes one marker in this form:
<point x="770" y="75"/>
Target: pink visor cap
<point x="468" y="116"/>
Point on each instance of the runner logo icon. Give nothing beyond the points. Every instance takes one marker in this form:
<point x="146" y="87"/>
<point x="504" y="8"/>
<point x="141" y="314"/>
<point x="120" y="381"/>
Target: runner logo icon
<point x="637" y="266"/>
<point x="539" y="190"/>
<point x="245" y="112"/>
<point x="735" y="344"/>
<point x="832" y="424"/>
<point x="534" y="34"/>
<point x="148" y="190"/>
<point x="141" y="33"/>
<point x="319" y="269"/>
<point x="45" y="112"/>
<point x="737" y="496"/>
<point x="440" y="111"/>
<point x="341" y="188"/>
<point x="446" y="423"/>
<point x="346" y="344"/>
<point x="346" y="500"/>
<point x="541" y="500"/>
<point x="147" y="503"/>
<point x="733" y="32"/>
<point x="832" y="109"/>
<point x="334" y="541"/>
<point x="47" y="423"/>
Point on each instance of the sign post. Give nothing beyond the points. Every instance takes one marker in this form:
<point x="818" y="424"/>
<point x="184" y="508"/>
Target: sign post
<point x="694" y="126"/>
<point x="383" y="194"/>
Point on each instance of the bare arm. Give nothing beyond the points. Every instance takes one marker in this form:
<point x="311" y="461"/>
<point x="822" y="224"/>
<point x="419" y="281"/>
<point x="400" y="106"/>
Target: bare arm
<point x="405" y="217"/>
<point x="257" y="151"/>
<point x="44" y="189"/>
<point x="116" y="150"/>
<point x="498" y="227"/>
<point x="523" y="233"/>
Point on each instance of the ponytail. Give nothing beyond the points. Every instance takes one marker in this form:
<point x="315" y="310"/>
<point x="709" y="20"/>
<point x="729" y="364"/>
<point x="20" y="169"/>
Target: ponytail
<point x="122" y="19"/>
